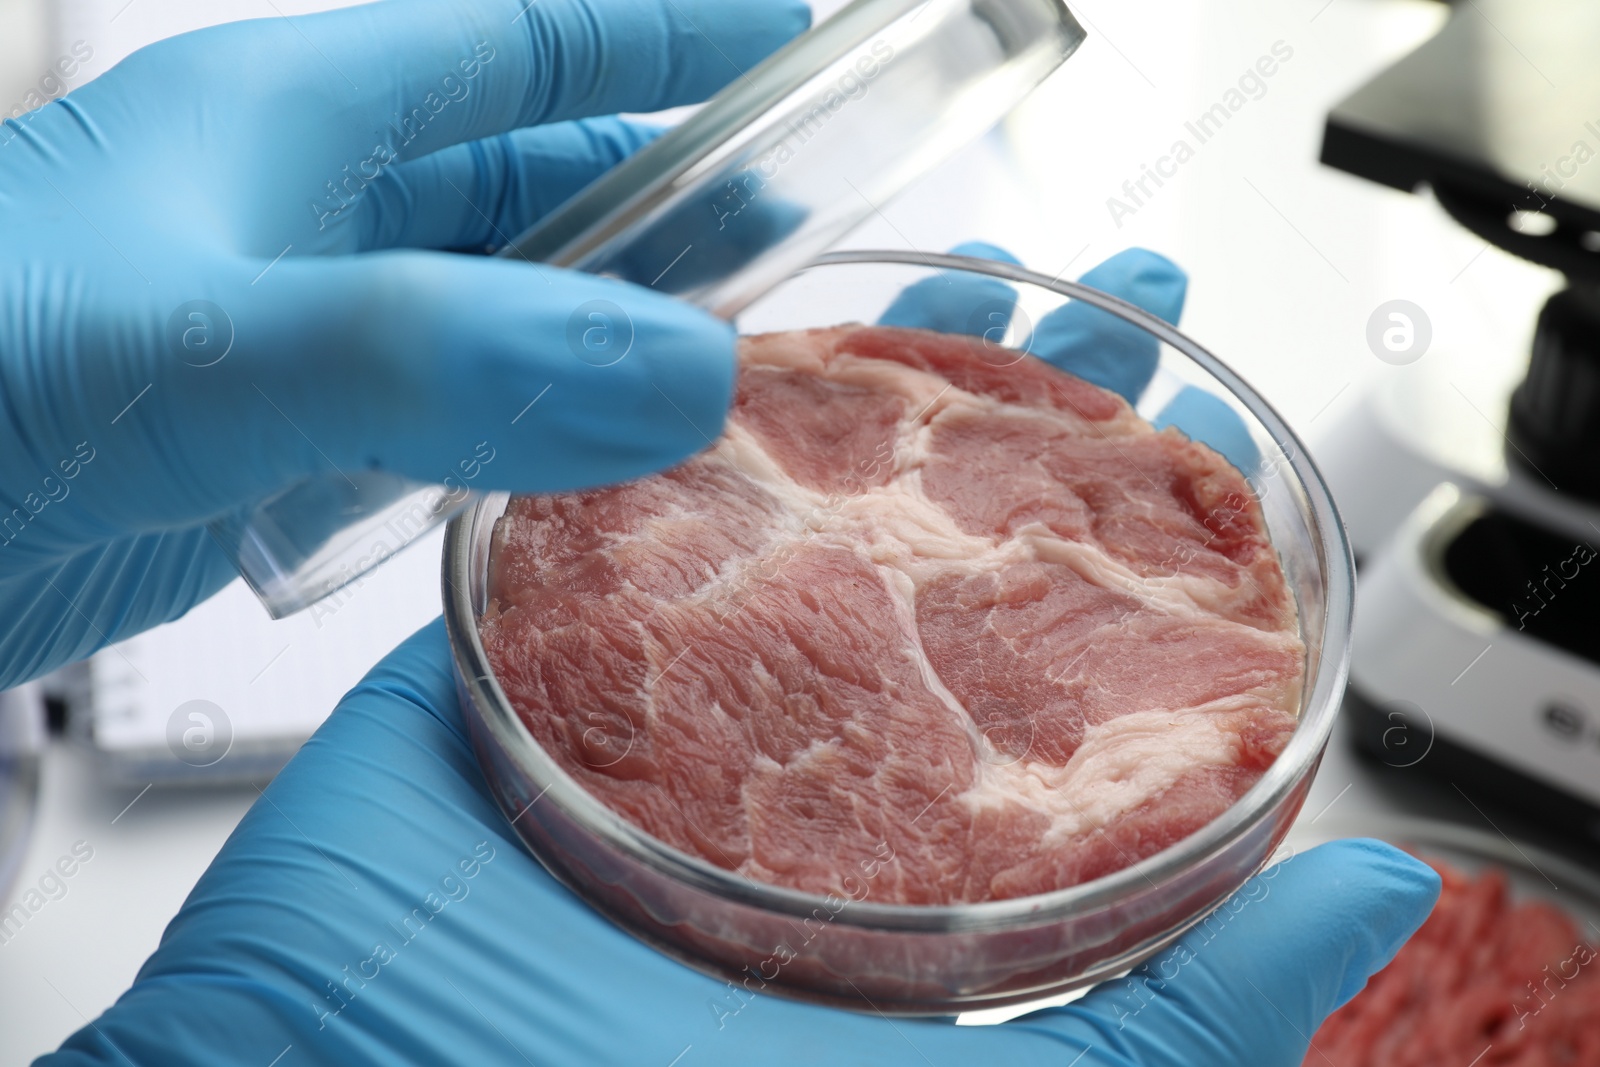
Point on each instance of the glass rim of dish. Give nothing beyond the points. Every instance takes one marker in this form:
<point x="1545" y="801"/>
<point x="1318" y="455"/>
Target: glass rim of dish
<point x="1319" y="705"/>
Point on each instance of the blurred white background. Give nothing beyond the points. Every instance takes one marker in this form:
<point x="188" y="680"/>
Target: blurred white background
<point x="1288" y="260"/>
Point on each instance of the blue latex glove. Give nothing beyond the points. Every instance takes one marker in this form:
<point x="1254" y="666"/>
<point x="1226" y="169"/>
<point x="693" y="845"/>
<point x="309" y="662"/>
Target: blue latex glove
<point x="220" y="277"/>
<point x="375" y="907"/>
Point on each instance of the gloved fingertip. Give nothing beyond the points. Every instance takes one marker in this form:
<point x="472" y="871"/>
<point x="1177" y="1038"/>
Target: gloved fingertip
<point x="1106" y="350"/>
<point x="958" y="301"/>
<point x="694" y="350"/>
<point x="1209" y="419"/>
<point x="984" y="250"/>
<point x="646" y="382"/>
<point x="968" y="305"/>
<point x="1145" y="279"/>
<point x="783" y="20"/>
<point x="720" y="41"/>
<point x="800" y="14"/>
<point x="697" y="374"/>
<point x="1408" y="888"/>
<point x="1098" y="347"/>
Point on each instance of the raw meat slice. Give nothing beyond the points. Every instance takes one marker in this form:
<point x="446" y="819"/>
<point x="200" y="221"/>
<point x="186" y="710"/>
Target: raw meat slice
<point x="828" y="433"/>
<point x="1040" y="653"/>
<point x="919" y="602"/>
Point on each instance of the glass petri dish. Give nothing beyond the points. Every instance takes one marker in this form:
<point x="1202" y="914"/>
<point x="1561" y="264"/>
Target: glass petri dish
<point x="772" y="171"/>
<point x="936" y="960"/>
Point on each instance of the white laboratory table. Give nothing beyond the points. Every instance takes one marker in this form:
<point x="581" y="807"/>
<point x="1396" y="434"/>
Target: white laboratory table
<point x="1288" y="261"/>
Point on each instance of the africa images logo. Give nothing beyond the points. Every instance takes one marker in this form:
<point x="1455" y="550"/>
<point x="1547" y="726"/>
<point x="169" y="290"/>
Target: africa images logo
<point x="199" y="733"/>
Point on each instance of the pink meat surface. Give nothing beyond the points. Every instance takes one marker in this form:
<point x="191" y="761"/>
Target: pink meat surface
<point x="981" y="618"/>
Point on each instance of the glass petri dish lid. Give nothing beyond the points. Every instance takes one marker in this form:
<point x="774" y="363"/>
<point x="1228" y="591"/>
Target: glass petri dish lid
<point x="805" y="146"/>
<point x="769" y="173"/>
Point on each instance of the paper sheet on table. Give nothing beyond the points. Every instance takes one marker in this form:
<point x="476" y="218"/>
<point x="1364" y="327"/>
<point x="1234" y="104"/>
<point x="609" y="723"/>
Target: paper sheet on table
<point x="273" y="683"/>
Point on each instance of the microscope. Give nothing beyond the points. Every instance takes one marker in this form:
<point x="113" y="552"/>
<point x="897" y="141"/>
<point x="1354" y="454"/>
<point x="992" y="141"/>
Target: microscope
<point x="1474" y="506"/>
